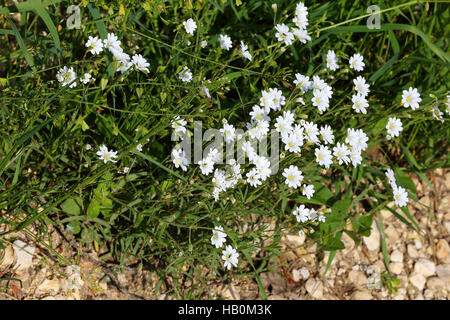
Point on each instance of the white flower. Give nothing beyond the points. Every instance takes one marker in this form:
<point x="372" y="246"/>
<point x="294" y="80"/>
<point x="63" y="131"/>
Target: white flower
<point x="361" y="86"/>
<point x="311" y="132"/>
<point x="301" y="9"/>
<point x="341" y="152"/>
<point x="179" y="159"/>
<point x="190" y="26"/>
<point x="94" y="45"/>
<point x="302" y="82"/>
<point x="85" y="78"/>
<point x="122" y="60"/>
<point x="259" y="114"/>
<point x="356" y="139"/>
<point x="321" y="218"/>
<point x="355" y="156"/>
<point x="301" y="35"/>
<point x="278" y="99"/>
<point x="327" y="134"/>
<point x="400" y="196"/>
<point x="204" y="91"/>
<point x="332" y="60"/>
<point x="178" y="124"/>
<point x="267" y="100"/>
<point x="225" y="42"/>
<point x="301" y="213"/>
<point x="308" y="191"/>
<point x="248" y="150"/>
<point x="206" y="166"/>
<point x="185" y="75"/>
<point x="88" y="147"/>
<point x="230" y="256"/>
<point x="293" y="177"/>
<point x="253" y="177"/>
<point x="323" y="156"/>
<point x="67" y="75"/>
<point x="301" y="21"/>
<point x="106" y="155"/>
<point x="292" y="143"/>
<point x="244" y="51"/>
<point x="219" y="237"/>
<point x="394" y="126"/>
<point x="447" y="105"/>
<point x="437" y="114"/>
<point x="229" y="132"/>
<point x="214" y="156"/>
<point x="318" y="84"/>
<point x="112" y="43"/>
<point x="411" y="98"/>
<point x="139" y="147"/>
<point x="261" y="129"/>
<point x="356" y="62"/>
<point x="140" y="63"/>
<point x="203" y="44"/>
<point x="359" y="103"/>
<point x="283" y="126"/>
<point x="391" y="178"/>
<point x="320" y="100"/>
<point x="283" y="34"/>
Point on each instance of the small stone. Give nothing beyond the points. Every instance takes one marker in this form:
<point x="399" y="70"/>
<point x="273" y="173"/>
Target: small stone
<point x="296" y="275"/>
<point x="304" y="273"/>
<point x="428" y="294"/>
<point x="48" y="298"/>
<point x="442" y="249"/>
<point x="49" y="286"/>
<point x="443" y="272"/>
<point x="357" y="277"/>
<point x="391" y="234"/>
<point x="362" y="295"/>
<point x="447" y="226"/>
<point x="396" y="256"/>
<point x="386" y="214"/>
<point x="231" y="293"/>
<point x="373" y="241"/>
<point x="418" y="244"/>
<point x="7" y="258"/>
<point x="24" y="255"/>
<point x="417" y="280"/>
<point x="396" y="267"/>
<point x="435" y="283"/>
<point x="425" y="267"/>
<point x="314" y="288"/>
<point x="412" y="251"/>
<point x="419" y="297"/>
<point x="295" y="240"/>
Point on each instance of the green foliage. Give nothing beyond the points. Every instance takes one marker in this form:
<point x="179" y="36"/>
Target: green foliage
<point x="163" y="217"/>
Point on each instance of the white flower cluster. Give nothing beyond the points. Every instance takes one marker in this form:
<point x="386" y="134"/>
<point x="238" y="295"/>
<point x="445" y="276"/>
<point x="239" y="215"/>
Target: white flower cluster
<point x="288" y="35"/>
<point x="122" y="61"/>
<point x="400" y="194"/>
<point x="303" y="215"/>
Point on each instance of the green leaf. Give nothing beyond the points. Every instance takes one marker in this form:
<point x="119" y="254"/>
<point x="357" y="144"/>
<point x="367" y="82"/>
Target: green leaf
<point x="74" y="227"/>
<point x="71" y="206"/>
<point x="342" y="206"/>
<point x="322" y="194"/>
<point x="363" y="225"/>
<point x="333" y="244"/>
<point x="94" y="209"/>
